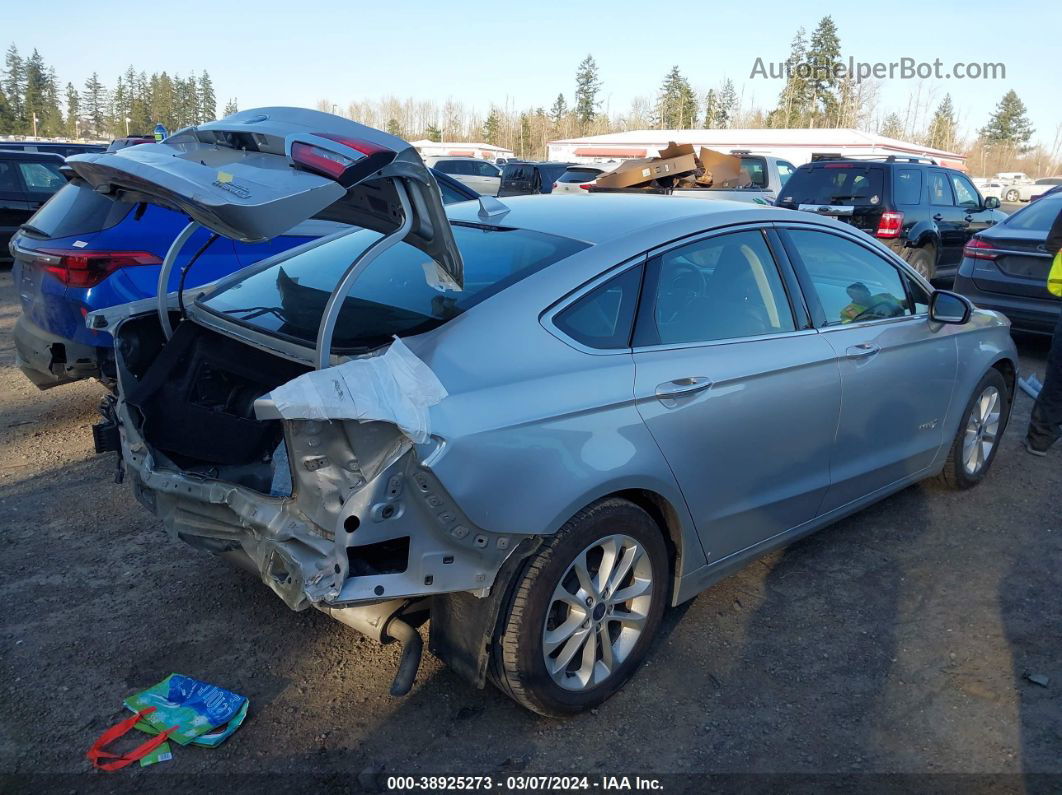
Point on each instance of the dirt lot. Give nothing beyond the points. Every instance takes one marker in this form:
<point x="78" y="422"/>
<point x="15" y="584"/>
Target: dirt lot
<point x="893" y="642"/>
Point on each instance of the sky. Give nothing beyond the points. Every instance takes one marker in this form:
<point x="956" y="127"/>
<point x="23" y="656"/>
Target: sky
<point x="285" y="53"/>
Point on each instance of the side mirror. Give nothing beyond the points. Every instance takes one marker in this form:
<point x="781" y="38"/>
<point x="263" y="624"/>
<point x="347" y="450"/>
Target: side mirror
<point x="991" y="203"/>
<point x="948" y="307"/>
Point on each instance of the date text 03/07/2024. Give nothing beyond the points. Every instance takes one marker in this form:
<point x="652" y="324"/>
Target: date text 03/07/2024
<point x="529" y="783"/>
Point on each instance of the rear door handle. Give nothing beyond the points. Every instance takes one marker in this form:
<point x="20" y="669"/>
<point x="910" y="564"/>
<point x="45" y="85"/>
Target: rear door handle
<point x="938" y="217"/>
<point x="682" y="386"/>
<point x="862" y="351"/>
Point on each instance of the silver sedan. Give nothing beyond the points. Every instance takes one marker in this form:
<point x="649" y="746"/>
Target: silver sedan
<point x="541" y="422"/>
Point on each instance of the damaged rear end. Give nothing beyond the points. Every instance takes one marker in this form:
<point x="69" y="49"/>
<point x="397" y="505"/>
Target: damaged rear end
<point x="308" y="463"/>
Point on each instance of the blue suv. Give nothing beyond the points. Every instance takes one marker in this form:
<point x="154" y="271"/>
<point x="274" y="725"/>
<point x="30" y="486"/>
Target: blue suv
<point x="82" y="252"/>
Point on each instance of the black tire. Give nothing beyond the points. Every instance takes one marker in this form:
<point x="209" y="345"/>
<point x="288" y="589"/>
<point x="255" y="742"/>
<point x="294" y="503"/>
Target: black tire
<point x="955" y="474"/>
<point x="923" y="260"/>
<point x="518" y="664"/>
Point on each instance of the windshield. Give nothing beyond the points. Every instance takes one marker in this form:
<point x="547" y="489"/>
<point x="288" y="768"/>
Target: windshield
<point x="76" y="210"/>
<point x="402" y="292"/>
<point x="837" y="184"/>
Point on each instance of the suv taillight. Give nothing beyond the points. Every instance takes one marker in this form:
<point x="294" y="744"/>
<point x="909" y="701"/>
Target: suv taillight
<point x="979" y="249"/>
<point x="889" y="225"/>
<point x="76" y="268"/>
<point x="343" y="169"/>
<point x="586" y="185"/>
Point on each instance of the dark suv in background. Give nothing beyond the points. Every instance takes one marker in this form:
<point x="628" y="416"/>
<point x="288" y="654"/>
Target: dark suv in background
<point x="523" y="178"/>
<point x="924" y="212"/>
<point x="27" y="180"/>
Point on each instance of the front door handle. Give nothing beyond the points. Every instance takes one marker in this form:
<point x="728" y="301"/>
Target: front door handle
<point x="862" y="351"/>
<point x="682" y="386"/>
<point x="938" y="217"/>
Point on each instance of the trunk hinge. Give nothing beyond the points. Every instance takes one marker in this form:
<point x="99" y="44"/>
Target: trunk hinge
<point x="164" y="276"/>
<point x="353" y="271"/>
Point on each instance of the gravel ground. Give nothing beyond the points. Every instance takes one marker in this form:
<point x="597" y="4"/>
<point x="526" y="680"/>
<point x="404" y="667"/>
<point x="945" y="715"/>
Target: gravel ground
<point x="895" y="641"/>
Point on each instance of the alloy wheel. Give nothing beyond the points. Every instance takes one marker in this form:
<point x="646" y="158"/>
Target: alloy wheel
<point x="597" y="612"/>
<point x="982" y="431"/>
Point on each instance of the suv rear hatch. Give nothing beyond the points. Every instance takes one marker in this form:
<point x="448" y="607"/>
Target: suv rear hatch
<point x="849" y="191"/>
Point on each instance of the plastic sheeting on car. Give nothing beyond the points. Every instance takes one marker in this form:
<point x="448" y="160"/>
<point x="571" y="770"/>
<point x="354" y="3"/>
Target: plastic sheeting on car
<point x="395" y="387"/>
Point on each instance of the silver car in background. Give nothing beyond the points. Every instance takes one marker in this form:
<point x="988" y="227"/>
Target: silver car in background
<point x="578" y="179"/>
<point x="539" y="422"/>
<point x="482" y="176"/>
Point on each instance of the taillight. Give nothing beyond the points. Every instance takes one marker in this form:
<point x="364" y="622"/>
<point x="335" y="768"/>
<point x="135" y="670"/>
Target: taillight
<point x="343" y="169"/>
<point x="586" y="185"/>
<point x="889" y="225"/>
<point x="556" y="185"/>
<point x="76" y="268"/>
<point x="979" y="249"/>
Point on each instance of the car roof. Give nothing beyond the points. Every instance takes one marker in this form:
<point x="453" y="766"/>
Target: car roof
<point x="20" y="154"/>
<point x="605" y="217"/>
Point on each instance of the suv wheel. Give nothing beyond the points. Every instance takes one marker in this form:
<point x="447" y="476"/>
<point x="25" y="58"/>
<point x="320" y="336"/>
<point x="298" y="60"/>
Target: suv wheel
<point x="974" y="447"/>
<point x="1012" y="196"/>
<point x="922" y="260"/>
<point x="585" y="611"/>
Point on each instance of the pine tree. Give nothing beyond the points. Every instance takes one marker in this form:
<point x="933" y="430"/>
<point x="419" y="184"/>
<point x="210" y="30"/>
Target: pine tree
<point x="119" y="108"/>
<point x="676" y="107"/>
<point x="94" y="99"/>
<point x="6" y="119"/>
<point x="587" y="88"/>
<point x="824" y="53"/>
<point x="492" y="127"/>
<point x="73" y="112"/>
<point x="1008" y="126"/>
<point x="892" y="127"/>
<point x="38" y="114"/>
<point x="943" y="128"/>
<point x="208" y="104"/>
<point x="232" y="107"/>
<point x="711" y="108"/>
<point x="727" y="112"/>
<point x="558" y="111"/>
<point x="394" y="128"/>
<point x="14" y="86"/>
<point x="794" y="102"/>
<point x="524" y="144"/>
<point x="433" y="133"/>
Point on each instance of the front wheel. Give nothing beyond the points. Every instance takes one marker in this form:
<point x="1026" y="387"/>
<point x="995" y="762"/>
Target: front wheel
<point x="1012" y="196"/>
<point x="974" y="448"/>
<point x="585" y="611"/>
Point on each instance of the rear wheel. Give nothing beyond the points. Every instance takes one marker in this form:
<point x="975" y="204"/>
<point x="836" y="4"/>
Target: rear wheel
<point x="922" y="260"/>
<point x="974" y="447"/>
<point x="585" y="611"/>
<point x="1012" y="196"/>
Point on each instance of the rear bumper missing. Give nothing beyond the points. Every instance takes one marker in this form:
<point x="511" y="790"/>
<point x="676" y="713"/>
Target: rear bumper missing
<point x="49" y="360"/>
<point x="352" y="534"/>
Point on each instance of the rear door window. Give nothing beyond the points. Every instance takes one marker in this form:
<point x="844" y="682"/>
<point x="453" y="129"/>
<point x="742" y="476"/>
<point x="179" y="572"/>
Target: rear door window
<point x="447" y="166"/>
<point x="907" y="186"/>
<point x="722" y="287"/>
<point x="42" y="177"/>
<point x="940" y="189"/>
<point x="9" y="182"/>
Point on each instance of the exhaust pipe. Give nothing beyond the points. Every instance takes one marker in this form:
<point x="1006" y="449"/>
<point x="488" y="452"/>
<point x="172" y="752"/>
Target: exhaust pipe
<point x="381" y="622"/>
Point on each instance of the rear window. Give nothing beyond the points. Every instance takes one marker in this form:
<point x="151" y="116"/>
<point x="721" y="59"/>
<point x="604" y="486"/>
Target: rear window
<point x="756" y="168"/>
<point x="838" y="184"/>
<point x="513" y="173"/>
<point x="907" y="185"/>
<point x="580" y="175"/>
<point x="393" y="295"/>
<point x="76" y="210"/>
<point x="1036" y="217"/>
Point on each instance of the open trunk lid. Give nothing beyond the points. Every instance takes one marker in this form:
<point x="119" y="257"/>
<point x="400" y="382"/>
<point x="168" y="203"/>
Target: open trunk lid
<point x="257" y="173"/>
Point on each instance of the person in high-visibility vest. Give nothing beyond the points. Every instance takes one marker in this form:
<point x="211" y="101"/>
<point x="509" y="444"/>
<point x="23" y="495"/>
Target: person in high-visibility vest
<point x="1046" y="418"/>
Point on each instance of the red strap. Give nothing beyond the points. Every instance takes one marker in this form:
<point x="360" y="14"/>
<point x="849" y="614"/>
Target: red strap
<point x="96" y="752"/>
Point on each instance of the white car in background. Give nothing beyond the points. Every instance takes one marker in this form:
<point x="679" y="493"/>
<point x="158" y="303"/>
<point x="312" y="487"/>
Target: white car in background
<point x="578" y="178"/>
<point x="990" y="187"/>
<point x="481" y="175"/>
<point x="1025" y="192"/>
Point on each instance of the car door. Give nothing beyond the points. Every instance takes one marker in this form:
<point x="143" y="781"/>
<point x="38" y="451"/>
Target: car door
<point x="14" y="203"/>
<point x="740" y="396"/>
<point x="976" y="216"/>
<point x="897" y="371"/>
<point x="947" y="216"/>
<point x="488" y="178"/>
